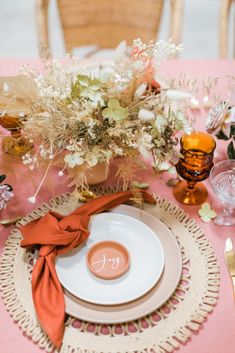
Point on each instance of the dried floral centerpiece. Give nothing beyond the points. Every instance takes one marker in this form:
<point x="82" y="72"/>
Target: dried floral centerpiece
<point x="88" y="116"/>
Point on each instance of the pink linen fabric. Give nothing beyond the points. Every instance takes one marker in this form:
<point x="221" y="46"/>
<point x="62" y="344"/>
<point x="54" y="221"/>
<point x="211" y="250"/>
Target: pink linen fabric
<point x="217" y="334"/>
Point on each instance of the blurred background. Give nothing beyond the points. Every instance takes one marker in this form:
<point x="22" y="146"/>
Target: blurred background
<point x="200" y="29"/>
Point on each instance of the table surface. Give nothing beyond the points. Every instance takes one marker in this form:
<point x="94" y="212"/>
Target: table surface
<point x="217" y="332"/>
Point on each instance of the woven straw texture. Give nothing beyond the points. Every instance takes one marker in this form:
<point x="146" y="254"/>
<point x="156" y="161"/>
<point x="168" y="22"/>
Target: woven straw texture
<point x="160" y="332"/>
<point x="106" y="23"/>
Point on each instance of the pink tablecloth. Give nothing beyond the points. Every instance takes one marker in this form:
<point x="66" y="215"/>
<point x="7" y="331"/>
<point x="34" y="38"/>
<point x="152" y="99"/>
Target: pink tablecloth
<point x="217" y="334"/>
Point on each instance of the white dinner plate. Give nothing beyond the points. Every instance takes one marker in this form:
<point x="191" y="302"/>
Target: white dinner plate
<point x="146" y="261"/>
<point x="149" y="302"/>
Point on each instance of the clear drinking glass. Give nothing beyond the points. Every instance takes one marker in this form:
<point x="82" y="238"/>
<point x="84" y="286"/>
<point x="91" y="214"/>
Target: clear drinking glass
<point x="222" y="178"/>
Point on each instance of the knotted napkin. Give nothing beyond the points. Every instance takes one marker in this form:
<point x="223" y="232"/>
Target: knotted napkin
<point x="56" y="234"/>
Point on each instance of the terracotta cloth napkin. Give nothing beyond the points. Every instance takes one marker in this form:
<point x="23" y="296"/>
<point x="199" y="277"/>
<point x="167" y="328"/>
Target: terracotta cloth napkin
<point x="56" y="234"/>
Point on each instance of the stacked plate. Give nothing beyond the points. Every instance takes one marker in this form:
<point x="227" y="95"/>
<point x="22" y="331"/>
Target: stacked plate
<point x="130" y="265"/>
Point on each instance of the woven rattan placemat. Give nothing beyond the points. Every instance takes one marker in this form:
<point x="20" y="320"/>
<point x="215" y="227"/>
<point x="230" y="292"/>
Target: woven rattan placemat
<point x="159" y="332"/>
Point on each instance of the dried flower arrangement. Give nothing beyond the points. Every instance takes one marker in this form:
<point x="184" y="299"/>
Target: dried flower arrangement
<point x="79" y="118"/>
<point x="221" y="123"/>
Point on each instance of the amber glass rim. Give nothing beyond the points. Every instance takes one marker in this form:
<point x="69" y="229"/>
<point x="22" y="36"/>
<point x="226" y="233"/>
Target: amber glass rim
<point x="199" y="151"/>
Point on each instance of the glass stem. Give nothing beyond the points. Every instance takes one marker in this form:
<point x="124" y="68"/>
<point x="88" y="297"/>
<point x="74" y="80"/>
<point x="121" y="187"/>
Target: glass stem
<point x="191" y="184"/>
<point x="15" y="133"/>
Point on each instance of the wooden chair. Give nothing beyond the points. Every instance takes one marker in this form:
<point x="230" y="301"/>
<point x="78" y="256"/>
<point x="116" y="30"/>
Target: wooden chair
<point x="225" y="10"/>
<point x="107" y="22"/>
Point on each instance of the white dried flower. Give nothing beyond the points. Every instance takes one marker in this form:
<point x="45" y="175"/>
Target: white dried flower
<point x="120" y="51"/>
<point x="5" y="195"/>
<point x="177" y="95"/>
<point x="161" y="122"/>
<point x="146" y="115"/>
<point x="32" y="199"/>
<point x="73" y="160"/>
<point x="182" y="122"/>
<point x="27" y="159"/>
<point x="146" y="154"/>
<point x="118" y="151"/>
<point x="141" y="89"/>
<point x="164" y="50"/>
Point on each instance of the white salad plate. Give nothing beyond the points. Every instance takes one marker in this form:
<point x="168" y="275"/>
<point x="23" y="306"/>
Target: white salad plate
<point x="146" y="261"/>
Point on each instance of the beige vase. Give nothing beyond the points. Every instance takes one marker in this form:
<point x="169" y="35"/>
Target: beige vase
<point x="97" y="174"/>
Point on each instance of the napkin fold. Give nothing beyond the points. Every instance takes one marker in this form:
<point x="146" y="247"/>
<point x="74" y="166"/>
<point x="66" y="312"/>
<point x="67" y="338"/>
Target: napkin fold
<point x="56" y="234"/>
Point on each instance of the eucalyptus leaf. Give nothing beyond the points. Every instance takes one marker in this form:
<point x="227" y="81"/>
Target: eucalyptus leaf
<point x="172" y="182"/>
<point x="138" y="185"/>
<point x="86" y="87"/>
<point x="83" y="80"/>
<point x="95" y="85"/>
<point x="232" y="131"/>
<point x="206" y="213"/>
<point x="172" y="170"/>
<point x="115" y="111"/>
<point x="2" y="178"/>
<point x="75" y="91"/>
<point x="113" y="103"/>
<point x="231" y="151"/>
<point x="221" y="136"/>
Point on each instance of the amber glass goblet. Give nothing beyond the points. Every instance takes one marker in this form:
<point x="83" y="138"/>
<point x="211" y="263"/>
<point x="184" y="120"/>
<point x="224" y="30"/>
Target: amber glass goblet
<point x="15" y="144"/>
<point x="197" y="150"/>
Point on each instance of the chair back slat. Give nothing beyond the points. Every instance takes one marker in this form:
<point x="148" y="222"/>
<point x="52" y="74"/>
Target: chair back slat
<point x="106" y="22"/>
<point x="225" y="10"/>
